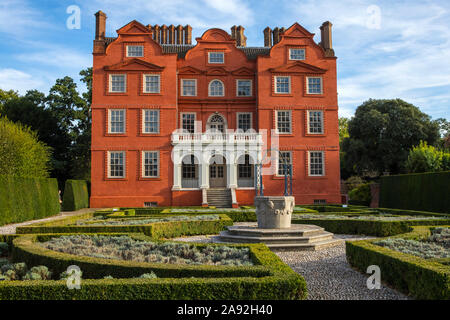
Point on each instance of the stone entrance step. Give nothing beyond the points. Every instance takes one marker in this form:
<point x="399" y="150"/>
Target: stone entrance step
<point x="219" y="198"/>
<point x="298" y="237"/>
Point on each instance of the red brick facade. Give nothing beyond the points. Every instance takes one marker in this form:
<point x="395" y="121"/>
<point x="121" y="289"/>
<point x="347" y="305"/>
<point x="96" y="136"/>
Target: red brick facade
<point x="161" y="66"/>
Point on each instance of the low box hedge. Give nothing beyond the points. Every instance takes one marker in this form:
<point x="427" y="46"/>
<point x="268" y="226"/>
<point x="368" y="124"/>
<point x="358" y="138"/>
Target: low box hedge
<point x="76" y="195"/>
<point x="269" y="279"/>
<point x="369" y="227"/>
<point x="157" y="230"/>
<point x="407" y="273"/>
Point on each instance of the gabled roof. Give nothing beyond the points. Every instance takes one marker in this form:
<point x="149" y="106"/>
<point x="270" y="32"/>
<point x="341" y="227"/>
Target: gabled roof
<point x="134" y="64"/>
<point x="297" y="67"/>
<point x="134" y="27"/>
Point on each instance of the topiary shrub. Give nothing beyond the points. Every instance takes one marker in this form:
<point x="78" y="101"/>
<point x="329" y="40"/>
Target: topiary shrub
<point x="76" y="195"/>
<point x="361" y="195"/>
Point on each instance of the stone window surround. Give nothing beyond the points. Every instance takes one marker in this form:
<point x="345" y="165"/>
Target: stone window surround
<point x="289" y="84"/>
<point x="124" y="121"/>
<point x="309" y="163"/>
<point x="237" y="88"/>
<point x="182" y="86"/>
<point x="322" y="120"/>
<point x="143" y="121"/>
<point x="144" y="82"/>
<point x="143" y="163"/>
<point x="108" y="155"/>
<point x="110" y="82"/>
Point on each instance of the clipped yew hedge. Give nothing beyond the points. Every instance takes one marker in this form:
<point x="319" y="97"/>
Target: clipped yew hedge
<point x="24" y="199"/>
<point x="76" y="195"/>
<point x="270" y="278"/>
<point x="409" y="274"/>
<point x="421" y="191"/>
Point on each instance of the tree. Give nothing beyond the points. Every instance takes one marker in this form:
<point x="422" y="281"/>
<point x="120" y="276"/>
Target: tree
<point x="424" y="158"/>
<point x="343" y="129"/>
<point x="382" y="132"/>
<point x="30" y="110"/>
<point x="81" y="168"/>
<point x="6" y="96"/>
<point x="21" y="153"/>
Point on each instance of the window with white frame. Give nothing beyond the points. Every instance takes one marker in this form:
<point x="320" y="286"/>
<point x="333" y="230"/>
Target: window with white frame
<point x="117" y="82"/>
<point x="152" y="83"/>
<point x="216" y="88"/>
<point x="284" y="121"/>
<point x="135" y="51"/>
<point x="189" y="168"/>
<point x="150" y="122"/>
<point x="216" y="57"/>
<point x="296" y="54"/>
<point x="315" y="121"/>
<point x="116" y="121"/>
<point x="282" y="85"/>
<point x="189" y="87"/>
<point x="284" y="159"/>
<point x="244" y="121"/>
<point x="116" y="164"/>
<point x="244" y="88"/>
<point x="188" y="122"/>
<point x="314" y="85"/>
<point x="245" y="170"/>
<point x="316" y="163"/>
<point x="150" y="164"/>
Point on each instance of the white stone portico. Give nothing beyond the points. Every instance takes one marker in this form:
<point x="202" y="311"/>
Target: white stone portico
<point x="224" y="151"/>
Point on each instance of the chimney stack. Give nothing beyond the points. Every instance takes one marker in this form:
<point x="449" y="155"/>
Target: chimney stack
<point x="187" y="34"/>
<point x="179" y="34"/>
<point x="156" y="33"/>
<point x="267" y="37"/>
<point x="171" y="34"/>
<point x="241" y="39"/>
<point x="276" y="35"/>
<point x="100" y="25"/>
<point x="326" y="39"/>
<point x="234" y="32"/>
<point x="163" y="34"/>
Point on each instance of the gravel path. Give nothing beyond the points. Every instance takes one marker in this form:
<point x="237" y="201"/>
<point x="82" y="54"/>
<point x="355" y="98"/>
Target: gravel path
<point x="327" y="272"/>
<point x="11" y="228"/>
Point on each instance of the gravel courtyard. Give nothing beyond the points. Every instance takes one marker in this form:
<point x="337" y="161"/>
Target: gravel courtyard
<point x="327" y="273"/>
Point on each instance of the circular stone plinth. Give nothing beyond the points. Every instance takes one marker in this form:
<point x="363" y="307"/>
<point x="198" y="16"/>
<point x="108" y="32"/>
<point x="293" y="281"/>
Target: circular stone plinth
<point x="297" y="237"/>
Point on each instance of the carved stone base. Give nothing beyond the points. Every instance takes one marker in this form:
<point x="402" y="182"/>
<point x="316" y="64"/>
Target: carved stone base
<point x="274" y="212"/>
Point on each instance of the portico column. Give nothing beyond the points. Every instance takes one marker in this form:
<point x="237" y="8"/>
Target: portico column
<point x="204" y="175"/>
<point x="176" y="172"/>
<point x="232" y="175"/>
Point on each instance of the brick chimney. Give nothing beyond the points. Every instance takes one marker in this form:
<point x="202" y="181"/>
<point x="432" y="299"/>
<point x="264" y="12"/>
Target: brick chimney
<point x="276" y="35"/>
<point x="156" y="33"/>
<point x="326" y="39"/>
<point x="267" y="37"/>
<point x="187" y="34"/>
<point x="179" y="34"/>
<point x="233" y="32"/>
<point x="241" y="39"/>
<point x="171" y="34"/>
<point x="163" y="34"/>
<point x="100" y="25"/>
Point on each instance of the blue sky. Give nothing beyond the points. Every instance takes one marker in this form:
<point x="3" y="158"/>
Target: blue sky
<point x="385" y="49"/>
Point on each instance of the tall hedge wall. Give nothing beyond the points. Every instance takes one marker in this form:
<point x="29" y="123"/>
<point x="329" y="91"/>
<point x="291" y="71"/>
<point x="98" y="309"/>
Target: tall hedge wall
<point x="422" y="191"/>
<point x="23" y="199"/>
<point x="76" y="195"/>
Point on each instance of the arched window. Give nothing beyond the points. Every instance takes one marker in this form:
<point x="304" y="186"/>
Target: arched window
<point x="216" y="88"/>
<point x="216" y="123"/>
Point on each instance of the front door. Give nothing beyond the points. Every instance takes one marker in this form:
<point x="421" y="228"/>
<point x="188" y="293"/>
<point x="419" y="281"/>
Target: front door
<point x="217" y="175"/>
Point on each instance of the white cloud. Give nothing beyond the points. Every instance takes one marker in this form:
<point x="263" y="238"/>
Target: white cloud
<point x="18" y="80"/>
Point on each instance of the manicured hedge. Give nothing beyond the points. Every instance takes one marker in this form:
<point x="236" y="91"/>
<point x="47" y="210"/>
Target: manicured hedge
<point x="407" y="273"/>
<point x="422" y="191"/>
<point x="155" y="230"/>
<point x="23" y="199"/>
<point x="76" y="195"/>
<point x="368" y="227"/>
<point x="269" y="279"/>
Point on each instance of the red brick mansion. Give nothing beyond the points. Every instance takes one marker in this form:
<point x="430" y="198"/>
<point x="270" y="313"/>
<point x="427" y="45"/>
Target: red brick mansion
<point x="182" y="124"/>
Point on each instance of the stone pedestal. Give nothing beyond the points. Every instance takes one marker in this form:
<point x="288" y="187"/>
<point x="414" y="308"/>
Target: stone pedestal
<point x="274" y="212"/>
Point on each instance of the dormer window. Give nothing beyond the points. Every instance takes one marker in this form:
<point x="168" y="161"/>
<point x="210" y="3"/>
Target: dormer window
<point x="296" y="54"/>
<point x="216" y="57"/>
<point x="135" y="51"/>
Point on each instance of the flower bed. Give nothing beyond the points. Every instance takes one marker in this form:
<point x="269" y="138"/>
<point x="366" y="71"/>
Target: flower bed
<point x="103" y="221"/>
<point x="267" y="278"/>
<point x="408" y="273"/>
<point x="437" y="246"/>
<point x="127" y="248"/>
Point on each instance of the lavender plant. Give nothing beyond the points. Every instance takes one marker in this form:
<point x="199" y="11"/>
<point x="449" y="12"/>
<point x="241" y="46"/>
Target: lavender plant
<point x="115" y="222"/>
<point x="127" y="248"/>
<point x="374" y="217"/>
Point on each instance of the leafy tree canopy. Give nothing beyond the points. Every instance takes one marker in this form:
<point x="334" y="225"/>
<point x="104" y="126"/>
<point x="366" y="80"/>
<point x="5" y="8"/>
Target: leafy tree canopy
<point x="381" y="134"/>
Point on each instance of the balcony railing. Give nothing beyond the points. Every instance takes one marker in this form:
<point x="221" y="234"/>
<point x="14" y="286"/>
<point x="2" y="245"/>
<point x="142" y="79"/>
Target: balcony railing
<point x="216" y="137"/>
